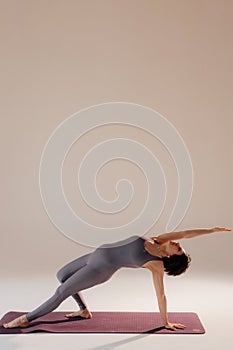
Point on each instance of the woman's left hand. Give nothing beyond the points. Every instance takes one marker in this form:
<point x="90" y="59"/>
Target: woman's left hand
<point x="174" y="326"/>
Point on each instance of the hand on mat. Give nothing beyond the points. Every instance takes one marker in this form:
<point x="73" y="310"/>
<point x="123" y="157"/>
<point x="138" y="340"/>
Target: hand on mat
<point x="173" y="326"/>
<point x="220" y="229"/>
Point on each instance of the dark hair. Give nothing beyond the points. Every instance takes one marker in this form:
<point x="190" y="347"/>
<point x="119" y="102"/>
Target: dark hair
<point x="176" y="264"/>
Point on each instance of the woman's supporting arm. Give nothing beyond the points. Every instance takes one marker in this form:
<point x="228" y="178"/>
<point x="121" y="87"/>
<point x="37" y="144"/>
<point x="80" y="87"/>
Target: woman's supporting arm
<point x="176" y="235"/>
<point x="161" y="297"/>
<point x="162" y="300"/>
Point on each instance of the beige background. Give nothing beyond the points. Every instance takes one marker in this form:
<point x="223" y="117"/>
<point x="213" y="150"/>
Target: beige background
<point x="60" y="56"/>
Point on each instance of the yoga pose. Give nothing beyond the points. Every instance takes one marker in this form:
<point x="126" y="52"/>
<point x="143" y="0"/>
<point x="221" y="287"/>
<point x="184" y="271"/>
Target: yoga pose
<point x="158" y="254"/>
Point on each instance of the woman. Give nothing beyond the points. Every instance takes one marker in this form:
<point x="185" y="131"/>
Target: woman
<point x="158" y="254"/>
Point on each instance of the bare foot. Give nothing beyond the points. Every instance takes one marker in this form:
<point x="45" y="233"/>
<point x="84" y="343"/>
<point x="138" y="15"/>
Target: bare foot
<point x="83" y="313"/>
<point x="21" y="321"/>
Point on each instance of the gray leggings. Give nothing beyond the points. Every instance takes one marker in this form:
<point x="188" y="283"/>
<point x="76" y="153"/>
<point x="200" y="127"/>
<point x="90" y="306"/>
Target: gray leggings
<point x="82" y="273"/>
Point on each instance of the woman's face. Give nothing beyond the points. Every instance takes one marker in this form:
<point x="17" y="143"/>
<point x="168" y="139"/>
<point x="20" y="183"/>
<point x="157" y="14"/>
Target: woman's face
<point x="175" y="248"/>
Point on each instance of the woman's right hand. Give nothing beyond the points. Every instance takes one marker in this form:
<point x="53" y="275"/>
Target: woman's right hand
<point x="221" y="229"/>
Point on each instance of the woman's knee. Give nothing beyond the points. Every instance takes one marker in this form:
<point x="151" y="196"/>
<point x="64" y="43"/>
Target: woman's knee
<point x="62" y="293"/>
<point x="61" y="275"/>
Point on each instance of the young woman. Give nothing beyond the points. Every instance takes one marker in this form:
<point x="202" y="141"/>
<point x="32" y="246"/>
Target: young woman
<point x="158" y="254"/>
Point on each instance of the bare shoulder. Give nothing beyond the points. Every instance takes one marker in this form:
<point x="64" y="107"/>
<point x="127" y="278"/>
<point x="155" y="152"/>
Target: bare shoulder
<point x="166" y="237"/>
<point x="159" y="239"/>
<point x="155" y="266"/>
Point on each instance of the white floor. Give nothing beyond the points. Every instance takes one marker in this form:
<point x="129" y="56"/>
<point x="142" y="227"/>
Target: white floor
<point x="210" y="297"/>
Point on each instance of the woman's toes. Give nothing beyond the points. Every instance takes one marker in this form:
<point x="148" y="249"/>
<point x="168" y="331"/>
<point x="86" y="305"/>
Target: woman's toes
<point x="17" y="322"/>
<point x="73" y="314"/>
<point x="81" y="313"/>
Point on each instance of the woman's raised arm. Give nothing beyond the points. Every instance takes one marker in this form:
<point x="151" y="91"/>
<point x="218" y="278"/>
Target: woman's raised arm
<point x="176" y="235"/>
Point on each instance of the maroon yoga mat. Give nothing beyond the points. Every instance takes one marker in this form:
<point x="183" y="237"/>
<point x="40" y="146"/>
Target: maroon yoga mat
<point x="107" y="322"/>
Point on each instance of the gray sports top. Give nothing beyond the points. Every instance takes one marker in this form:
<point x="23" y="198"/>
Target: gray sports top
<point x="129" y="252"/>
